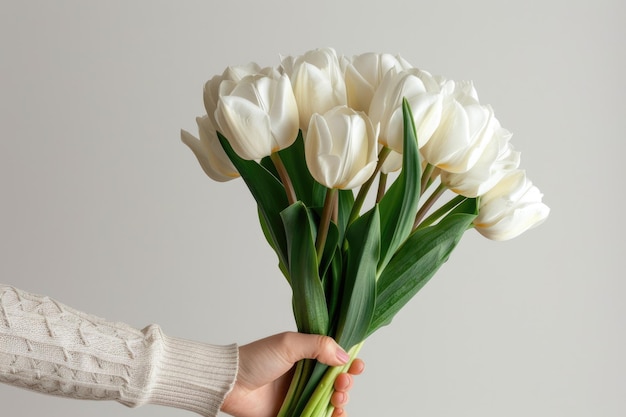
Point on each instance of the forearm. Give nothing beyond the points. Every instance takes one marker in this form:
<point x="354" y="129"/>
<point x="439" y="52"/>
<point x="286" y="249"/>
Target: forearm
<point x="51" y="348"/>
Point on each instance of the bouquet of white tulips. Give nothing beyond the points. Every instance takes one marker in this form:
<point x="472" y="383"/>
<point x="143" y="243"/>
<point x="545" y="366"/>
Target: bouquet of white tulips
<point x="348" y="160"/>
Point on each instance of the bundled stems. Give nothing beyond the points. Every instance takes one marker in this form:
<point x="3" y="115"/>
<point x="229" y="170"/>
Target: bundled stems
<point x="320" y="399"/>
<point x="284" y="177"/>
<point x="322" y="232"/>
<point x="360" y="198"/>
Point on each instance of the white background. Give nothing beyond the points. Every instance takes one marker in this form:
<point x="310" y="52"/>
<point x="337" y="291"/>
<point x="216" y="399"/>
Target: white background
<point x="103" y="208"/>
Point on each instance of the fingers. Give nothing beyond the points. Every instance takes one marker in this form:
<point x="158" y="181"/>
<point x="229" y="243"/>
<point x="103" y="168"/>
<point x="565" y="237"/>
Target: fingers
<point x="340" y="397"/>
<point x="311" y="346"/>
<point x="357" y="367"/>
<point x="343" y="384"/>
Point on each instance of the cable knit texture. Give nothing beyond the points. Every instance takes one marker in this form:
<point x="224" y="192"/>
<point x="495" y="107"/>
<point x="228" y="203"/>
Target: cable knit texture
<point x="51" y="348"/>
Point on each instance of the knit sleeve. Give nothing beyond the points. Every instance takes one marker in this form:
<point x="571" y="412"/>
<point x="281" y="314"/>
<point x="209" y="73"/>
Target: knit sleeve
<point x="51" y="348"/>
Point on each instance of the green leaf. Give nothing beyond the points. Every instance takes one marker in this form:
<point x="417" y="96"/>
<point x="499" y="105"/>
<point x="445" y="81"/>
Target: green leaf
<point x="359" y="286"/>
<point x="399" y="205"/>
<point x="309" y="301"/>
<point x="417" y="261"/>
<point x="269" y="194"/>
<point x="266" y="232"/>
<point x="332" y="281"/>
<point x="330" y="249"/>
<point x="346" y="201"/>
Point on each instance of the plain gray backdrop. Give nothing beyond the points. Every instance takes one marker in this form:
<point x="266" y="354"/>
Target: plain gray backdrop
<point x="103" y="208"/>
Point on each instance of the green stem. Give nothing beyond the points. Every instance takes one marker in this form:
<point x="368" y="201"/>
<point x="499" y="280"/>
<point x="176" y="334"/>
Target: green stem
<point x="428" y="204"/>
<point x="360" y="198"/>
<point x="382" y="185"/>
<point x="441" y="211"/>
<point x="292" y="391"/>
<point x="320" y="400"/>
<point x="327" y="212"/>
<point x="284" y="177"/>
<point x="426" y="177"/>
<point x="299" y="380"/>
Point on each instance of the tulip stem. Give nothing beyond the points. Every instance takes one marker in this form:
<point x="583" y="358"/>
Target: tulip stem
<point x="360" y="198"/>
<point x="319" y="402"/>
<point x="327" y="212"/>
<point x="426" y="177"/>
<point x="441" y="211"/>
<point x="382" y="186"/>
<point x="284" y="177"/>
<point x="428" y="204"/>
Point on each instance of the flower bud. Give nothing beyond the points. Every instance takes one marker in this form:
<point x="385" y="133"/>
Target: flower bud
<point x="317" y="80"/>
<point x="498" y="159"/>
<point x="421" y="91"/>
<point x="510" y="208"/>
<point x="258" y="115"/>
<point x="365" y="72"/>
<point x="211" y="90"/>
<point x="340" y="148"/>
<point x="465" y="129"/>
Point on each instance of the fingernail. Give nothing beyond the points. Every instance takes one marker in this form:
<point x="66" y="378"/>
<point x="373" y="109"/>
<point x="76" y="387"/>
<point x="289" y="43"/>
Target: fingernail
<point x="342" y="356"/>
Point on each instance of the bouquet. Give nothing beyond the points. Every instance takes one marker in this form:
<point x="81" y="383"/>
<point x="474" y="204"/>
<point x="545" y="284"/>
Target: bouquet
<point x="349" y="160"/>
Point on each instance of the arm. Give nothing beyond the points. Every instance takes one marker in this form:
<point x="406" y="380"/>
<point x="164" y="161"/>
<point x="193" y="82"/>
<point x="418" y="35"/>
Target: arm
<point x="48" y="347"/>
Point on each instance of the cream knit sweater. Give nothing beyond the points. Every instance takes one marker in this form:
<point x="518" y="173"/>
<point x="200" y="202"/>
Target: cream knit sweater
<point x="48" y="347"/>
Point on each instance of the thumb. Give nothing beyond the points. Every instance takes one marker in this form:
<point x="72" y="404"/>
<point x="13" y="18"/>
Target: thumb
<point x="322" y="348"/>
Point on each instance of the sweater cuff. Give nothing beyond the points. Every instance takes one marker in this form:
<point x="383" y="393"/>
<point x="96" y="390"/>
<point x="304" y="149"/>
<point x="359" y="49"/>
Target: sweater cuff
<point x="194" y="376"/>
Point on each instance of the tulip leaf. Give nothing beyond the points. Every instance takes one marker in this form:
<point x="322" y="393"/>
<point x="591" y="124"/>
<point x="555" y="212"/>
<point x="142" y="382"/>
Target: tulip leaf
<point x="330" y="248"/>
<point x="359" y="281"/>
<point x="418" y="260"/>
<point x="309" y="301"/>
<point x="345" y="203"/>
<point x="332" y="281"/>
<point x="266" y="232"/>
<point x="399" y="205"/>
<point x="269" y="194"/>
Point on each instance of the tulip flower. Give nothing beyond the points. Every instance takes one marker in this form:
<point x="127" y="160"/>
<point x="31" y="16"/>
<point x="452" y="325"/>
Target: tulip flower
<point x="365" y="72"/>
<point x="422" y="92"/>
<point x="496" y="161"/>
<point x="340" y="148"/>
<point x="224" y="84"/>
<point x="466" y="128"/>
<point x="258" y="115"/>
<point x="510" y="208"/>
<point x="318" y="82"/>
<point x="209" y="151"/>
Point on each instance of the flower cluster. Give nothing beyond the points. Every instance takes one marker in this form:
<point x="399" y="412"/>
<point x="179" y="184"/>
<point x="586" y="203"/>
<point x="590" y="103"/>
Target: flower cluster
<point x="349" y="109"/>
<point x="305" y="134"/>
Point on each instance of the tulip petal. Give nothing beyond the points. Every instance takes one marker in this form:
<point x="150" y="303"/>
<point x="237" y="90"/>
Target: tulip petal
<point x="202" y="152"/>
<point x="247" y="125"/>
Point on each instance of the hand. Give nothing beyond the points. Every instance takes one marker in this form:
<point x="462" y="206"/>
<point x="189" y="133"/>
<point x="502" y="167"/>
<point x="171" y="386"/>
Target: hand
<point x="265" y="371"/>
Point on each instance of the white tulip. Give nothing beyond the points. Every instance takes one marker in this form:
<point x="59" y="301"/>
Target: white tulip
<point x="258" y="115"/>
<point x="340" y="148"/>
<point x="318" y="82"/>
<point x="465" y="130"/>
<point x="209" y="151"/>
<point x="232" y="74"/>
<point x="496" y="161"/>
<point x="365" y="72"/>
<point x="510" y="208"/>
<point x="422" y="92"/>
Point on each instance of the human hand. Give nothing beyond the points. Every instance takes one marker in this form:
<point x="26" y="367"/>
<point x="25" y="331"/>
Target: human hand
<point x="265" y="373"/>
